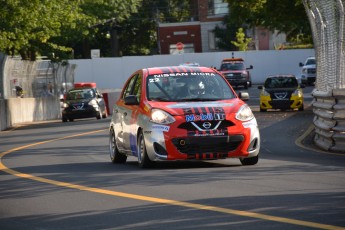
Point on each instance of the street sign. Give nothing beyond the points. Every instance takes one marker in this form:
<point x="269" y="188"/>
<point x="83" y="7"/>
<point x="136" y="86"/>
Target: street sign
<point x="179" y="46"/>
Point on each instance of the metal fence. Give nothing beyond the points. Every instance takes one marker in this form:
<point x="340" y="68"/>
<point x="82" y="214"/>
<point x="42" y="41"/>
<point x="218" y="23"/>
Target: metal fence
<point x="37" y="79"/>
<point x="327" y="23"/>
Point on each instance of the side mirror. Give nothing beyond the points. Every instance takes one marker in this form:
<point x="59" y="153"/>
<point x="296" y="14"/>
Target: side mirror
<point x="250" y="67"/>
<point x="131" y="100"/>
<point x="301" y="64"/>
<point x="244" y="96"/>
<point x="260" y="87"/>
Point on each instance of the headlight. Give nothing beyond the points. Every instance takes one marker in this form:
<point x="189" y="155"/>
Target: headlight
<point x="244" y="113"/>
<point x="244" y="74"/>
<point x="65" y="105"/>
<point x="264" y="93"/>
<point x="304" y="70"/>
<point x="161" y="117"/>
<point x="297" y="93"/>
<point x="93" y="103"/>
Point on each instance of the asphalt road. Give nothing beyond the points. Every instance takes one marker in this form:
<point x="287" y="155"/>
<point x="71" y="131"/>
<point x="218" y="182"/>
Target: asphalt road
<point x="58" y="175"/>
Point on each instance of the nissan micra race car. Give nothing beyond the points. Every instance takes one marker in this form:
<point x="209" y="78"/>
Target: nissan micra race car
<point x="182" y="113"/>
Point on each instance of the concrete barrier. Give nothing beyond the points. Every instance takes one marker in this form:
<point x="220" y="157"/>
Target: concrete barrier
<point x="21" y="110"/>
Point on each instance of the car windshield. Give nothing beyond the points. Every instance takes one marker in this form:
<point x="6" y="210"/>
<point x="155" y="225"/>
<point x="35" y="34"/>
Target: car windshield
<point x="281" y="82"/>
<point x="310" y="61"/>
<point x="187" y="87"/>
<point x="77" y="94"/>
<point x="232" y="66"/>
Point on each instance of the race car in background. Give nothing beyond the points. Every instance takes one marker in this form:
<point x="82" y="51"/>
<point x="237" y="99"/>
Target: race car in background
<point x="182" y="113"/>
<point x="83" y="101"/>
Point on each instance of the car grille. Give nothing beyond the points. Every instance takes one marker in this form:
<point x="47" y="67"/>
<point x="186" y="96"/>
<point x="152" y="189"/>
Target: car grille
<point x="311" y="70"/>
<point x="281" y="104"/>
<point x="208" y="144"/>
<point x="190" y="127"/>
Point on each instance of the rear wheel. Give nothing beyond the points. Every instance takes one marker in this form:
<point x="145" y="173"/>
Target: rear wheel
<point x="250" y="161"/>
<point x="105" y="114"/>
<point x="115" y="156"/>
<point x="64" y="119"/>
<point x="99" y="115"/>
<point x="143" y="159"/>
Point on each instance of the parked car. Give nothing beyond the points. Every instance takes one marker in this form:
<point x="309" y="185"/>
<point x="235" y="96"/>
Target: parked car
<point x="197" y="116"/>
<point x="308" y="72"/>
<point x="83" y="101"/>
<point x="281" y="92"/>
<point x="235" y="71"/>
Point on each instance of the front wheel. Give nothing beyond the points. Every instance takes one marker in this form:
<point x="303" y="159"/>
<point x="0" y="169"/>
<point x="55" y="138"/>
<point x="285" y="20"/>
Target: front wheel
<point x="115" y="155"/>
<point x="250" y="161"/>
<point x="143" y="159"/>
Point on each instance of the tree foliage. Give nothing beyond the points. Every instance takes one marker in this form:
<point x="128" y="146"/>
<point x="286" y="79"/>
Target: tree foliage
<point x="288" y="16"/>
<point x="241" y="41"/>
<point x="53" y="27"/>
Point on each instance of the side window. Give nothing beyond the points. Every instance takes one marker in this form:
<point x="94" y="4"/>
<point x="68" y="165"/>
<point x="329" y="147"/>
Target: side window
<point x="137" y="87"/>
<point x="129" y="86"/>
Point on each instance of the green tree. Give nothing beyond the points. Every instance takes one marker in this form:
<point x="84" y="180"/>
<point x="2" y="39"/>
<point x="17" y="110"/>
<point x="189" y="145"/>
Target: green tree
<point x="53" y="27"/>
<point x="287" y="16"/>
<point x="242" y="42"/>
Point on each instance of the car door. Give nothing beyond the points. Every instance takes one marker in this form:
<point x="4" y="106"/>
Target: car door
<point x="130" y="116"/>
<point x="120" y="115"/>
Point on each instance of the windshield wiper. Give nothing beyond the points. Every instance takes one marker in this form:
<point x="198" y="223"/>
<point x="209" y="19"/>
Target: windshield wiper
<point x="199" y="99"/>
<point x="159" y="99"/>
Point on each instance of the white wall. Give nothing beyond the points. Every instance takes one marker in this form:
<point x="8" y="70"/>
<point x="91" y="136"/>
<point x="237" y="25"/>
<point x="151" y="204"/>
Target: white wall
<point x="111" y="73"/>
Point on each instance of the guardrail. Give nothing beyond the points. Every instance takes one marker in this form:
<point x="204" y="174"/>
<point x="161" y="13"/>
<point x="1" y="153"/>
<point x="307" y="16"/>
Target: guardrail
<point x="329" y="120"/>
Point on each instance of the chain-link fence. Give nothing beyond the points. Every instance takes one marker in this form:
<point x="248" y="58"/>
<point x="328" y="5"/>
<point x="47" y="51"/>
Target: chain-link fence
<point x="327" y="23"/>
<point x="41" y="78"/>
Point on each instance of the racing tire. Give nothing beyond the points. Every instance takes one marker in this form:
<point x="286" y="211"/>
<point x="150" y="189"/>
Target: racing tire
<point x="143" y="159"/>
<point x="99" y="116"/>
<point x="115" y="155"/>
<point x="105" y="114"/>
<point x="250" y="161"/>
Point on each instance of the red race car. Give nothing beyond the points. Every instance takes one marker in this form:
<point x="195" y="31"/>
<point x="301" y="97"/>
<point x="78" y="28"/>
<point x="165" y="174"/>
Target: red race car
<point x="182" y="113"/>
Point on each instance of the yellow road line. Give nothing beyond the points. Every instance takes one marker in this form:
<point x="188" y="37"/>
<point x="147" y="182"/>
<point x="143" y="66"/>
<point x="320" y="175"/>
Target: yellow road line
<point x="153" y="199"/>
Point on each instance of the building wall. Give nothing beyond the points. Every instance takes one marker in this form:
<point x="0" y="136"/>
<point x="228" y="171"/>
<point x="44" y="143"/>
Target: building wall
<point x="173" y="33"/>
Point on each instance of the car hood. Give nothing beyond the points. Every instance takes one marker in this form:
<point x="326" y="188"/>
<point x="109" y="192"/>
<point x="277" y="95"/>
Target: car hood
<point x="184" y="108"/>
<point x="309" y="66"/>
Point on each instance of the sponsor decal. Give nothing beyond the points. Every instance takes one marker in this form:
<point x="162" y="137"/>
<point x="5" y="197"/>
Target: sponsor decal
<point x="208" y="134"/>
<point x="147" y="107"/>
<point x="205" y="117"/>
<point x="183" y="74"/>
<point x="163" y="128"/>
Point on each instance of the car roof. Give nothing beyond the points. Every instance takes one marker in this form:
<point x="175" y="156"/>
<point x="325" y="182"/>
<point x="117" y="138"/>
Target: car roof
<point x="178" y="69"/>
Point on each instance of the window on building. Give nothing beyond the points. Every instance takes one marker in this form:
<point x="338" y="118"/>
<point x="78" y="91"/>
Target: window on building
<point x="211" y="40"/>
<point x="217" y="8"/>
